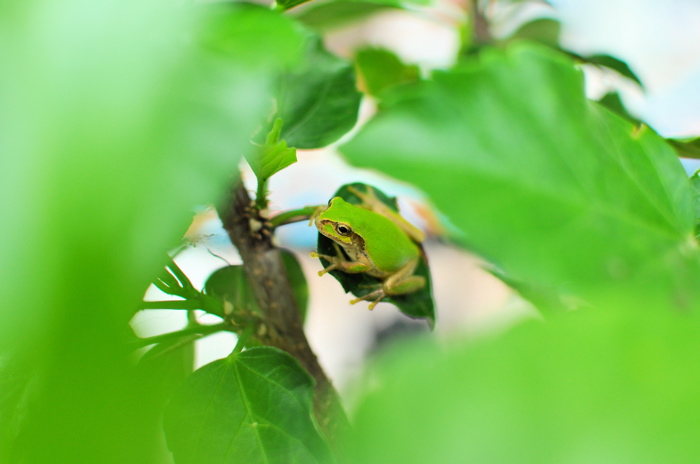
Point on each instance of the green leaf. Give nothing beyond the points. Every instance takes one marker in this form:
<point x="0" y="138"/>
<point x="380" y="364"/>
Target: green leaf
<point x="553" y="189"/>
<point x="230" y="285"/>
<point x="615" y="64"/>
<point x="251" y="34"/>
<point x="319" y="101"/>
<point x="325" y="16"/>
<point x="418" y="304"/>
<point x="581" y="388"/>
<point x="613" y="102"/>
<point x="686" y="148"/>
<point x="252" y="407"/>
<point x="272" y="156"/>
<point x="543" y="30"/>
<point x="381" y="69"/>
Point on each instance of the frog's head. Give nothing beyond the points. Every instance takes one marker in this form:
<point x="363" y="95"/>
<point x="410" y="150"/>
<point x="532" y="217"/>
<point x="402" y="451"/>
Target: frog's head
<point x="335" y="223"/>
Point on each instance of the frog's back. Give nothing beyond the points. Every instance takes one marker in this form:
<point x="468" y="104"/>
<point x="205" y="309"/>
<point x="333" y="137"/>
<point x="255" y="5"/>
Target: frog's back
<point x="387" y="245"/>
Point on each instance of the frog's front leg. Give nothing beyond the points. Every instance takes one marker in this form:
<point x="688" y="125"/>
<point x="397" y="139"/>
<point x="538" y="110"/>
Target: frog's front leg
<point x="401" y="282"/>
<point x="340" y="262"/>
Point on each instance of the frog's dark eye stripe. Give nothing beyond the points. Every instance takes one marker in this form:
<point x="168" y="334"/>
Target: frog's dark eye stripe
<point x="344" y="230"/>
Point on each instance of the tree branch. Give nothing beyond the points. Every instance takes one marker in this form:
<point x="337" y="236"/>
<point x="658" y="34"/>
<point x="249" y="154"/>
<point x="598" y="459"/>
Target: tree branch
<point x="263" y="264"/>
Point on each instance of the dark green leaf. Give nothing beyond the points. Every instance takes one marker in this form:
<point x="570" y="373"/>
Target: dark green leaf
<point x="686" y="148"/>
<point x="417" y="304"/>
<point x="543" y="30"/>
<point x="252" y="407"/>
<point x="319" y="102"/>
<point x="272" y="156"/>
<point x="230" y="285"/>
<point x="380" y="69"/>
<point x="613" y="102"/>
<point x="285" y="5"/>
<point x="553" y="189"/>
<point x="577" y="389"/>
<point x="615" y="64"/>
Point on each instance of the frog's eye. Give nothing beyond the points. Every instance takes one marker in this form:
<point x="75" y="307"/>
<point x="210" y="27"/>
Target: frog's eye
<point x="344" y="230"/>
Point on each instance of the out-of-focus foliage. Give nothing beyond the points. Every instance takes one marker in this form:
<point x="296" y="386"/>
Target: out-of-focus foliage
<point x="591" y="387"/>
<point x="119" y="117"/>
<point x="381" y="69"/>
<point x="555" y="190"/>
<point x="115" y="124"/>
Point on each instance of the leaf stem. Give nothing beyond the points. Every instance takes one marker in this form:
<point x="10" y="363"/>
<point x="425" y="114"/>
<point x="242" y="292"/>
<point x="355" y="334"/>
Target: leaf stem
<point x="191" y="330"/>
<point x="292" y="216"/>
<point x="242" y="339"/>
<point x="261" y="195"/>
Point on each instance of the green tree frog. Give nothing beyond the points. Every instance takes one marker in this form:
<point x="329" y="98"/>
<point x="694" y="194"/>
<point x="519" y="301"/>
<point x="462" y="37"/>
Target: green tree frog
<point x="377" y="241"/>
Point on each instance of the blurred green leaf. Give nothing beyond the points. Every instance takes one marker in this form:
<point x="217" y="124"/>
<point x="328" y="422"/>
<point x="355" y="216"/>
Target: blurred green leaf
<point x="272" y="156"/>
<point x="582" y="388"/>
<point x="230" y="285"/>
<point x="613" y="102"/>
<point x="318" y="102"/>
<point x="252" y="407"/>
<point x="381" y="69"/>
<point x="615" y="64"/>
<point x="543" y="30"/>
<point x="252" y="34"/>
<point x="418" y="304"/>
<point x="114" y="126"/>
<point x="553" y="189"/>
<point x="324" y="16"/>
<point x="686" y="148"/>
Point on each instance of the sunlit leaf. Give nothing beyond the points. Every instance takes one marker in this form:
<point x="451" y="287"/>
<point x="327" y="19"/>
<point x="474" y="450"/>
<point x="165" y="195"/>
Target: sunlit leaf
<point x="553" y="189"/>
<point x="252" y="407"/>
<point x="273" y="156"/>
<point x="381" y="69"/>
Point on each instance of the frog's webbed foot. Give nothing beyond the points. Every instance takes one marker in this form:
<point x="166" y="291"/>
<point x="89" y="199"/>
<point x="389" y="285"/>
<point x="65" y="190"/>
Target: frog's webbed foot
<point x="377" y="296"/>
<point x="399" y="283"/>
